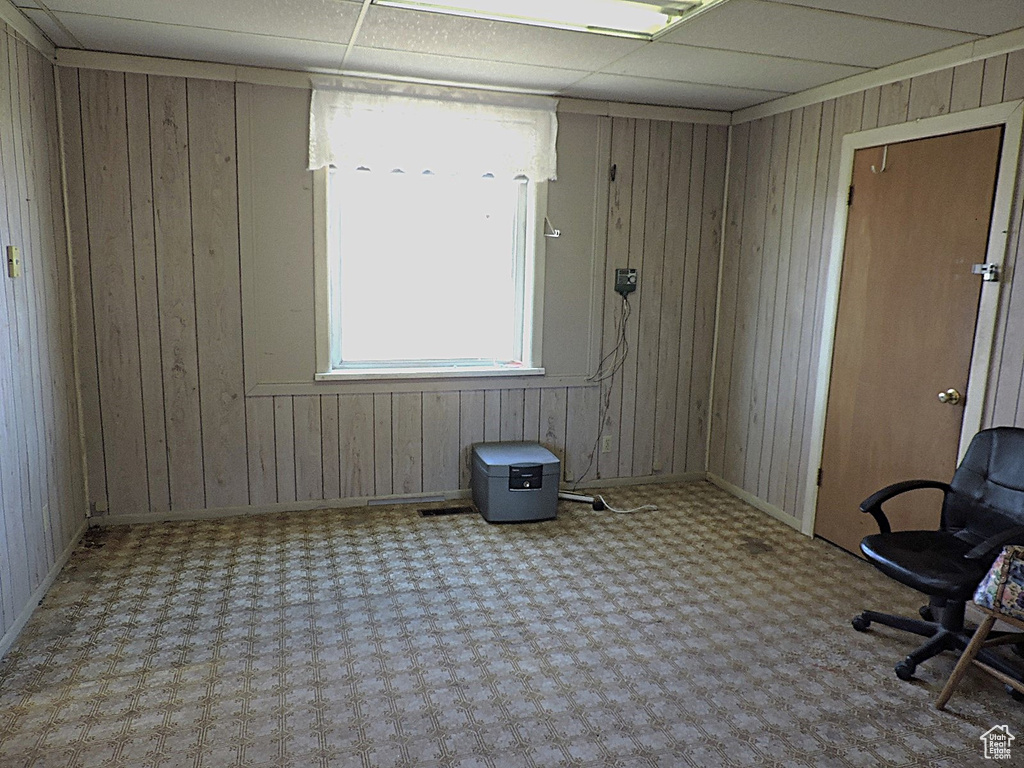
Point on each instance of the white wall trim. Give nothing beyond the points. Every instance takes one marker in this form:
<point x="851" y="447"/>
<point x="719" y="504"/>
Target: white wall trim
<point x="755" y="502"/>
<point x="151" y="65"/>
<point x="24" y="26"/>
<point x="1008" y="114"/>
<point x="40" y="592"/>
<point x="921" y="65"/>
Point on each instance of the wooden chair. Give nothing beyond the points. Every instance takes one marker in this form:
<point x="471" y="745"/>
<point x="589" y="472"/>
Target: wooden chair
<point x="978" y="641"/>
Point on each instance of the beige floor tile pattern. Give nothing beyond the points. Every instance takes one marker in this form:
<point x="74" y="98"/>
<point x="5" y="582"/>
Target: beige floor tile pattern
<point x="703" y="634"/>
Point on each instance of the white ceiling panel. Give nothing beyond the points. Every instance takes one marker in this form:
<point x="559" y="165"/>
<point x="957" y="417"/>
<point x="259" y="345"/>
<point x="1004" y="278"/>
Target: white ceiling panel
<point x="50" y="28"/>
<point x="754" y="26"/>
<point x="462" y="37"/>
<point x="668" y="61"/>
<point x="148" y="39"/>
<point x="325" y="20"/>
<point x="983" y="17"/>
<point x="663" y="92"/>
<point x="468" y="71"/>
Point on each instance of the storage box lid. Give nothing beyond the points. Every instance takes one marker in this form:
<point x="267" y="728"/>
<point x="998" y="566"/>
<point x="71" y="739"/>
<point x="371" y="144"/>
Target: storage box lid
<point x="496" y="458"/>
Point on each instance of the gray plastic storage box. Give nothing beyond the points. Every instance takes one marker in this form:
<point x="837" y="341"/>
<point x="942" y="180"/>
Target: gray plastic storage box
<point x="515" y="482"/>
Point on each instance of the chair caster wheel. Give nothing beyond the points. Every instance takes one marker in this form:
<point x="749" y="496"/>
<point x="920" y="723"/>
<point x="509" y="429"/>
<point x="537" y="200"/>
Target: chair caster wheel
<point x="860" y="623"/>
<point x="905" y="670"/>
<point x="926" y="613"/>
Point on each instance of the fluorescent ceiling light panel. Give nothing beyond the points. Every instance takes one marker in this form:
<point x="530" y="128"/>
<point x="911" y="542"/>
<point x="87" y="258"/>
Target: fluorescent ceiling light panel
<point x="644" y="19"/>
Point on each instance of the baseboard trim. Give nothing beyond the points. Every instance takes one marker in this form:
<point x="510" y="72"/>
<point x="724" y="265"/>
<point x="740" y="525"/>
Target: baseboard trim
<point x="40" y="592"/>
<point x="360" y="501"/>
<point x="760" y="504"/>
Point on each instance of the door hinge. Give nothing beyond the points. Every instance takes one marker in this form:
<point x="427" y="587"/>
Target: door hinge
<point x="989" y="272"/>
<point x="614" y="169"/>
<point x="849" y="197"/>
<point x="819" y="477"/>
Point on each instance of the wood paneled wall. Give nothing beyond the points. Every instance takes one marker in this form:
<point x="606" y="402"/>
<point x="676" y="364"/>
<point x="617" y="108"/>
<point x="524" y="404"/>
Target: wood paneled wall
<point x="778" y="232"/>
<point x="41" y="474"/>
<point x="152" y="181"/>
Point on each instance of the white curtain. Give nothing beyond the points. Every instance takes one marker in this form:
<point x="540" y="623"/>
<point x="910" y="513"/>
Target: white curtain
<point x="419" y="128"/>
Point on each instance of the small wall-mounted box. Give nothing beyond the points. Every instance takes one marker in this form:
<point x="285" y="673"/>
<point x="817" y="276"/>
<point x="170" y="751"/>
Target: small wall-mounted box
<point x="515" y="482"/>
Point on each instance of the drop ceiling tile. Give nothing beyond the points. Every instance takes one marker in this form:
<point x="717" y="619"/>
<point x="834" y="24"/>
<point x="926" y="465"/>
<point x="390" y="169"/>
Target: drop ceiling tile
<point x="982" y="17"/>
<point x="170" y="41"/>
<point x="665" y="93"/>
<point x="50" y="29"/>
<point x="669" y="61"/>
<point x="754" y="26"/>
<point x="458" y="70"/>
<point x="324" y="20"/>
<point x="421" y="32"/>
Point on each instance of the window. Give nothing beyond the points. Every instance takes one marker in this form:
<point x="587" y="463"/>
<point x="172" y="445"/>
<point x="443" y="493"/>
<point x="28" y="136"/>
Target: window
<point x="429" y="272"/>
<point x="431" y="251"/>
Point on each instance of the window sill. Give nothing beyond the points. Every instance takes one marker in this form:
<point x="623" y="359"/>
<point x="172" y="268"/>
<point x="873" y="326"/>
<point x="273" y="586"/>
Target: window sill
<point x="379" y="374"/>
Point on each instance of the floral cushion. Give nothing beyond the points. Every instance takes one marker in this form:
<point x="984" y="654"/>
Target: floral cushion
<point x="1002" y="590"/>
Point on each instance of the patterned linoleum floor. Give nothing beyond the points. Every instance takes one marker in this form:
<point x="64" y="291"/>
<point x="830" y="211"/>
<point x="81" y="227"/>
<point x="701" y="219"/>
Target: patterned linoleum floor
<point x="703" y="634"/>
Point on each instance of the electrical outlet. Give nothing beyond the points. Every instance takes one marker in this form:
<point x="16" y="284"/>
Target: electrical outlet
<point x="606" y="444"/>
<point x="13" y="261"/>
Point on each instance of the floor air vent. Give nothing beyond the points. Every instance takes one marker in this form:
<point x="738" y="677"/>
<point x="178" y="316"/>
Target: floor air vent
<point x="446" y="511"/>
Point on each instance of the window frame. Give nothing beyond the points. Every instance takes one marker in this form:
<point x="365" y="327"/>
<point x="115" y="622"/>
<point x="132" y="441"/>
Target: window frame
<point x="328" y="322"/>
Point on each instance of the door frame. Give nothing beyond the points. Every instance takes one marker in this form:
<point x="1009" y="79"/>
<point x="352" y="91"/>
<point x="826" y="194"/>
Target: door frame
<point x="1011" y="116"/>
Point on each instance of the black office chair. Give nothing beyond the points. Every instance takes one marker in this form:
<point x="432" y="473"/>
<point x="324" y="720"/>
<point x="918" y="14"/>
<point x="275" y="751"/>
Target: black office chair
<point x="982" y="511"/>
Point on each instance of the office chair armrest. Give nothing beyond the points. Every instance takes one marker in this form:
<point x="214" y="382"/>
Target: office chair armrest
<point x="872" y="505"/>
<point x="993" y="544"/>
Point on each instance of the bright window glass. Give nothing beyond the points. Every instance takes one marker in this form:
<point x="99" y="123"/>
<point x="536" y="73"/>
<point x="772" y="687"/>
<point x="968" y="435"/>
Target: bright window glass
<point x="429" y="270"/>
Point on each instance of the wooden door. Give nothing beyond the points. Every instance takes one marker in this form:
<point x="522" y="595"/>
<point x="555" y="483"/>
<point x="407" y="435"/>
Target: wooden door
<point x="908" y="307"/>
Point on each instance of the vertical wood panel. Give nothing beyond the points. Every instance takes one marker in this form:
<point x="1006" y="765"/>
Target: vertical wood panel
<point x="894" y="102"/>
<point x="679" y="288"/>
<point x="140" y="165"/>
<point x="650" y="309"/>
<point x="88" y="375"/>
<point x="698" y="399"/>
<point x="262" y="459"/>
<point x="175" y="282"/>
<point x="618" y="234"/>
<point x="637" y="232"/>
<point x="218" y="303"/>
<point x="105" y="135"/>
<point x="512" y="405"/>
<point x="869" y="115"/>
<point x="492" y="416"/>
<point x="382" y="439"/>
<point x="356" y="427"/>
<point x="728" y="309"/>
<point x="309" y="471"/>
<point x="992" y="80"/>
<point x="471" y="430"/>
<point x="284" y="448"/>
<point x="967" y="80"/>
<point x="441" y="441"/>
<point x="407" y="448"/>
<point x="553" y="420"/>
<point x="1013" y="83"/>
<point x="330" y="447"/>
<point x="765" y="376"/>
<point x="930" y="94"/>
<point x="531" y="415"/>
<point x="581" y="424"/>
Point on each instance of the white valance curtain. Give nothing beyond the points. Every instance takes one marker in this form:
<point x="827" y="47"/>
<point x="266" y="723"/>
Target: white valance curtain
<point x="418" y="128"/>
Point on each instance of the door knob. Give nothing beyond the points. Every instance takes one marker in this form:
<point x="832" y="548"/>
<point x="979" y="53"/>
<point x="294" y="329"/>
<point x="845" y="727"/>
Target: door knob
<point x="950" y="397"/>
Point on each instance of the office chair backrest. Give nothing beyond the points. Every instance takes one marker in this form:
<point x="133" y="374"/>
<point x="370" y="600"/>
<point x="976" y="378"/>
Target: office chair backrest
<point x="988" y="486"/>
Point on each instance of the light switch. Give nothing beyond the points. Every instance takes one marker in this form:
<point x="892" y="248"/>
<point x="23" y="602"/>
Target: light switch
<point x="13" y="261"/>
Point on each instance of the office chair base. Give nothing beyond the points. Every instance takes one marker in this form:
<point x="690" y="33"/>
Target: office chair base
<point x="949" y="635"/>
